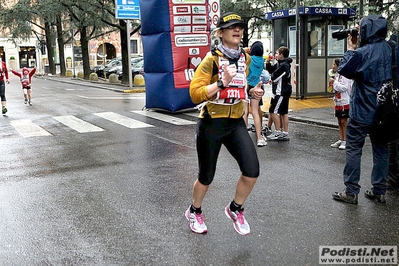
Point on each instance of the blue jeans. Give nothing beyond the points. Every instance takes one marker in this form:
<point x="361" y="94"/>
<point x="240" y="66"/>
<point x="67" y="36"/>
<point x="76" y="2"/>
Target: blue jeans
<point x="355" y="137"/>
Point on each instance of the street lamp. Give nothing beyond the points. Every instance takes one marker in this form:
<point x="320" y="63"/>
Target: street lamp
<point x="361" y="8"/>
<point x="297" y="51"/>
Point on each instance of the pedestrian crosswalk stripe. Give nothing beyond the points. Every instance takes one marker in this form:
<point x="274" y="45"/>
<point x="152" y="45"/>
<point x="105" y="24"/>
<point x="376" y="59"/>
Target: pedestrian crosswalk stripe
<point x="166" y="118"/>
<point x="123" y="120"/>
<point x="27" y="128"/>
<point x="77" y="124"/>
<point x="131" y="97"/>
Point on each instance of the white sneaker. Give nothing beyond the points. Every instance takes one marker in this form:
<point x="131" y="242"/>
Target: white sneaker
<point x="284" y="136"/>
<point x="267" y="131"/>
<point x="251" y="128"/>
<point x="343" y="145"/>
<point x="336" y="144"/>
<point x="261" y="142"/>
<point x="197" y="223"/>
<point x="239" y="222"/>
<point x="274" y="136"/>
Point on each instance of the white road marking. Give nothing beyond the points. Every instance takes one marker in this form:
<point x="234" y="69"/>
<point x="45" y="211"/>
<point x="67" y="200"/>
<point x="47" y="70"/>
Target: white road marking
<point x="123" y="120"/>
<point x="77" y="124"/>
<point x="193" y="114"/>
<point x="27" y="128"/>
<point x="166" y="118"/>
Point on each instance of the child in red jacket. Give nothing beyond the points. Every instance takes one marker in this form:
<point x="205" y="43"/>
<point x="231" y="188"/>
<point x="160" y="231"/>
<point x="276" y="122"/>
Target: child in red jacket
<point x="26" y="80"/>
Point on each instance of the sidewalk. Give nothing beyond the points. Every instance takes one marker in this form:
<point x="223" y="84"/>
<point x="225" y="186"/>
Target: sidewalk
<point x="314" y="110"/>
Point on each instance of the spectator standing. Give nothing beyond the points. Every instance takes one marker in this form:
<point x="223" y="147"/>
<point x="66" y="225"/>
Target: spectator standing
<point x="341" y="89"/>
<point x="219" y="85"/>
<point x="369" y="65"/>
<point x="282" y="90"/>
<point x="265" y="78"/>
<point x="26" y="80"/>
<point x="254" y="76"/>
<point x="3" y="74"/>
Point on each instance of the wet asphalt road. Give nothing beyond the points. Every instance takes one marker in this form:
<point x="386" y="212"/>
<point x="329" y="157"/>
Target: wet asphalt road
<point x="117" y="197"/>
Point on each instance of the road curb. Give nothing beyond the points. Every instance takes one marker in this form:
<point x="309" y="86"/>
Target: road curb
<point x="106" y="86"/>
<point x="312" y="121"/>
<point x="134" y="90"/>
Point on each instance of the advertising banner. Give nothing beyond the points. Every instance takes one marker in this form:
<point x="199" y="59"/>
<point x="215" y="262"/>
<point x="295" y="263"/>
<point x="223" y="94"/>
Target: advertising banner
<point x="176" y="37"/>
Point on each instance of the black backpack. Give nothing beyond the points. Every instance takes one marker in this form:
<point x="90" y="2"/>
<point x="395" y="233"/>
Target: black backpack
<point x="386" y="120"/>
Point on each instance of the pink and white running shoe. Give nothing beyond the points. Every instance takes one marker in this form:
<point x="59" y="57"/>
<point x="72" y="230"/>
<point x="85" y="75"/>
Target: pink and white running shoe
<point x="239" y="222"/>
<point x="197" y="223"/>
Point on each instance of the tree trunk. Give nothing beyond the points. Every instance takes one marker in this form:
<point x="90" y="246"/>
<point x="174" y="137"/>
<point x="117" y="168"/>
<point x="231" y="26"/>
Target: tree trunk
<point x="84" y="42"/>
<point x="61" y="45"/>
<point x="50" y="48"/>
<point x="125" y="56"/>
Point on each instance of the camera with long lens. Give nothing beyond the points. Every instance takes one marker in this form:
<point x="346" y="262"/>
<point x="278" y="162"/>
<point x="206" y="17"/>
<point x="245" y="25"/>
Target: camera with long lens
<point x="343" y="33"/>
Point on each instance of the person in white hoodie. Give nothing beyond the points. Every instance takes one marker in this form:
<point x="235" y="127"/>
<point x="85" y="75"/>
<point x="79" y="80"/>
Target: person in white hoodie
<point x="341" y="88"/>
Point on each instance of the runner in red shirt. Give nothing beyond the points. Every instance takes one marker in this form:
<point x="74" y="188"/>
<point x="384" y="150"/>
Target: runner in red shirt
<point x="3" y="73"/>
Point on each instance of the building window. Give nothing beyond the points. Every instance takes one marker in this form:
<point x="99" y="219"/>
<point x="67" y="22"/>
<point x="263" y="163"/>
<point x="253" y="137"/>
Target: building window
<point x="316" y="38"/>
<point x="134" y="47"/>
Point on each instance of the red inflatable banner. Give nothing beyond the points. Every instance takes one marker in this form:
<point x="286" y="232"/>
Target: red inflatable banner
<point x="189" y="22"/>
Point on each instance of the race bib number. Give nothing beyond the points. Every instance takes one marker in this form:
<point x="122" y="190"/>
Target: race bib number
<point x="236" y="89"/>
<point x="231" y="95"/>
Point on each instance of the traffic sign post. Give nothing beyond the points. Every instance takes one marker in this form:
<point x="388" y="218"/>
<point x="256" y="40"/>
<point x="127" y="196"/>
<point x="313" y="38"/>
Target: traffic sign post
<point x="214" y="13"/>
<point x="127" y="9"/>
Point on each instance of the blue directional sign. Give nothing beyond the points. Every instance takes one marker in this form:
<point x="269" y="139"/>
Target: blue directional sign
<point x="127" y="9"/>
<point x="320" y="11"/>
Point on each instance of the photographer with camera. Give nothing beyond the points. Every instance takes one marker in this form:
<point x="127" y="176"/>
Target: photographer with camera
<point x="342" y="34"/>
<point x="369" y="65"/>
